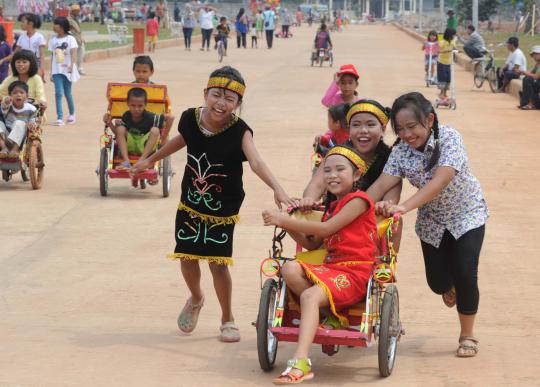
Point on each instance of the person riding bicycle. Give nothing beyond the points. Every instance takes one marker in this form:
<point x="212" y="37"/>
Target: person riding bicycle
<point x="223" y="31"/>
<point x="322" y="38"/>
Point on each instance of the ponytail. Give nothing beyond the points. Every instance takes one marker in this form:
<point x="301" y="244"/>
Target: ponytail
<point x="437" y="149"/>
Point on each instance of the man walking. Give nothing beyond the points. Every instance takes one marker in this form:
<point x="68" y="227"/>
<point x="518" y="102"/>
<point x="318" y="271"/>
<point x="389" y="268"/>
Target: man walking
<point x="269" y="20"/>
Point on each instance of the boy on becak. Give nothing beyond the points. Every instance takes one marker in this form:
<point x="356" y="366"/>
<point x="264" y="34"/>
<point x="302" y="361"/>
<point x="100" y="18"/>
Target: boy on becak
<point x="138" y="131"/>
<point x="19" y="115"/>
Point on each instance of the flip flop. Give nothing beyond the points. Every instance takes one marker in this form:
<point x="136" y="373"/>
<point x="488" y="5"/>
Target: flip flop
<point x="187" y="320"/>
<point x="229" y="332"/>
<point x="288" y="377"/>
<point x="449" y="298"/>
<point x="468" y="347"/>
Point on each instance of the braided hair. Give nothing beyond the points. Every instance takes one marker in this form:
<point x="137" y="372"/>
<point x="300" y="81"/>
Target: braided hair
<point x="421" y="108"/>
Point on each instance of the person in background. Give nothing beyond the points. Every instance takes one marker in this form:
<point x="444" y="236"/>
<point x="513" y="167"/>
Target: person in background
<point x="529" y="96"/>
<point x="269" y="23"/>
<point x="5" y="52"/>
<point x="206" y="16"/>
<point x="475" y="46"/>
<point x="152" y="30"/>
<point x="253" y="34"/>
<point x="75" y="31"/>
<point x="452" y="21"/>
<point x="188" y="20"/>
<point x="177" y="13"/>
<point x="286" y="23"/>
<point x="160" y="13"/>
<point x="299" y="17"/>
<point x="515" y="63"/>
<point x="241" y="26"/>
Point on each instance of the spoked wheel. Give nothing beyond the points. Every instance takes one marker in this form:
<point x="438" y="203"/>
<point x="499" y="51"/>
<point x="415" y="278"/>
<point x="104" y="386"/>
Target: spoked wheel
<point x="6" y="175"/>
<point x="220" y="51"/>
<point x="36" y="164"/>
<point x="479" y="76"/>
<point x="103" y="175"/>
<point x="390" y="330"/>
<point x="166" y="176"/>
<point x="492" y="79"/>
<point x="266" y="342"/>
<point x="24" y="172"/>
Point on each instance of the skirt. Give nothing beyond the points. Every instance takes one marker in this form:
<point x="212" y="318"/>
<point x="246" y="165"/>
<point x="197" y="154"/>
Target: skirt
<point x="345" y="284"/>
<point x="201" y="237"/>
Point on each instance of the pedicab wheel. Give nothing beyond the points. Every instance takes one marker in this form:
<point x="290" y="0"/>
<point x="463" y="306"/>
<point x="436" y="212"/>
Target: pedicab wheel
<point x="142" y="183"/>
<point x="492" y="80"/>
<point x="266" y="342"/>
<point x="103" y="175"/>
<point x="24" y="172"/>
<point x="453" y="106"/>
<point x="6" y="175"/>
<point x="166" y="176"/>
<point x="479" y="77"/>
<point x="390" y="330"/>
<point x="36" y="164"/>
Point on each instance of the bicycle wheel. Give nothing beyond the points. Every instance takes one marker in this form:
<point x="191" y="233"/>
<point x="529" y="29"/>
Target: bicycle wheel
<point x="267" y="343"/>
<point x="491" y="76"/>
<point x="390" y="331"/>
<point x="220" y="51"/>
<point x="479" y="75"/>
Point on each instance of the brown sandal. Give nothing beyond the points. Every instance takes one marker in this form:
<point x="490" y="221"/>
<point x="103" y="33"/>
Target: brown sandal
<point x="449" y="298"/>
<point x="468" y="347"/>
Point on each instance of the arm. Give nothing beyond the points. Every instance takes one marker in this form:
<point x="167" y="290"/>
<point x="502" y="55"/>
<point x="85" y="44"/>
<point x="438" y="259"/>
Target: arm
<point x="328" y="98"/>
<point x="73" y="53"/>
<point x="308" y="242"/>
<point x="314" y="190"/>
<point x="394" y="194"/>
<point x="382" y="185"/>
<point x="350" y="211"/>
<point x="260" y="168"/>
<point x="534" y="76"/>
<point x="173" y="145"/>
<point x="41" y="69"/>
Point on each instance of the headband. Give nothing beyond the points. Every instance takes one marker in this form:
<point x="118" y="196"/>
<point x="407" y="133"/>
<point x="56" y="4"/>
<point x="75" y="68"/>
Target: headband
<point x="350" y="155"/>
<point x="226" y="83"/>
<point x="368" y="107"/>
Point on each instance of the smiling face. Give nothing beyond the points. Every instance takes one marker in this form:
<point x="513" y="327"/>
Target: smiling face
<point x="220" y="103"/>
<point x="339" y="175"/>
<point x="22" y="66"/>
<point x="365" y="132"/>
<point x="18" y="95"/>
<point x="136" y="106"/>
<point x="142" y="73"/>
<point x="412" y="131"/>
<point x="347" y="85"/>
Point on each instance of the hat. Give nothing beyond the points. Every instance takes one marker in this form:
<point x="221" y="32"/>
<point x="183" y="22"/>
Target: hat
<point x="535" y="50"/>
<point x="513" y="40"/>
<point x="348" y="69"/>
<point x="75" y="7"/>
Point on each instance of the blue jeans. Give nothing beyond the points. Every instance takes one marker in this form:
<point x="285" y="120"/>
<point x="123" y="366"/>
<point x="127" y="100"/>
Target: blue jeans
<point x="187" y="36"/>
<point x="62" y="86"/>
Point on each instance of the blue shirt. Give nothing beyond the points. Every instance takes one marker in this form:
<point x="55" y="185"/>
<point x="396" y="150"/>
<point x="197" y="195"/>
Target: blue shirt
<point x="460" y="206"/>
<point x="269" y="19"/>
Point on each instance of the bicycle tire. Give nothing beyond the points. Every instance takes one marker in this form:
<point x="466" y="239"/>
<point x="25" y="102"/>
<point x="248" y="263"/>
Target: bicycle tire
<point x="491" y="76"/>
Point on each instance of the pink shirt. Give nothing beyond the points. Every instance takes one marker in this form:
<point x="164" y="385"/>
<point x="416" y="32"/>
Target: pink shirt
<point x="333" y="96"/>
<point x="434" y="48"/>
<point x="152" y="27"/>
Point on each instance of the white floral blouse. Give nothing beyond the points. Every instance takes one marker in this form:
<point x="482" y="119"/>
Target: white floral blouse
<point x="461" y="206"/>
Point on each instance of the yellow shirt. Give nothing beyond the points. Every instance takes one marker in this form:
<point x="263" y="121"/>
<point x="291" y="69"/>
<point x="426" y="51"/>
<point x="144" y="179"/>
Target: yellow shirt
<point x="445" y="51"/>
<point x="36" y="91"/>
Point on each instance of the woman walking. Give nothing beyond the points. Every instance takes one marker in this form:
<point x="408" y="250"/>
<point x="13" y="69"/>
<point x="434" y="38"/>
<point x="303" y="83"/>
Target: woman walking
<point x="188" y="23"/>
<point x="241" y="28"/>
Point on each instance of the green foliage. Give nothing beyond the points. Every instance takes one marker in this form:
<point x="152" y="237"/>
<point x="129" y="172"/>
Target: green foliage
<point x="486" y="9"/>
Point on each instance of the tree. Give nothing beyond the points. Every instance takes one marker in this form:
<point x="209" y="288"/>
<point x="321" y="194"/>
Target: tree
<point x="486" y="9"/>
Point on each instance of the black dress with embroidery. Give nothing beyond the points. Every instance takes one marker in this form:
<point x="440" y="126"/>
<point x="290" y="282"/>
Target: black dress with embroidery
<point x="212" y="190"/>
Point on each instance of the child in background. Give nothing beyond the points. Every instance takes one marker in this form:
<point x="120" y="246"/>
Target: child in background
<point x="63" y="69"/>
<point x="452" y="211"/>
<point x="19" y="115"/>
<point x="152" y="30"/>
<point x="138" y="131"/>
<point x="218" y="142"/>
<point x="31" y="39"/>
<point x="431" y="49"/>
<point x="143" y="69"/>
<point x="338" y="132"/>
<point x="223" y="31"/>
<point x="5" y="54"/>
<point x="444" y="62"/>
<point x="253" y="34"/>
<point x="343" y="87"/>
<point x="348" y="233"/>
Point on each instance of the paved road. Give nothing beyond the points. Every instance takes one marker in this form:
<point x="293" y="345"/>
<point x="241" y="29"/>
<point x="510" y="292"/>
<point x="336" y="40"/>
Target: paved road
<point x="88" y="299"/>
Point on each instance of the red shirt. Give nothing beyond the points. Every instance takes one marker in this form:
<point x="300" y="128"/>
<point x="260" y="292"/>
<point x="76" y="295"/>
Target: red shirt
<point x="152" y="27"/>
<point x="338" y="138"/>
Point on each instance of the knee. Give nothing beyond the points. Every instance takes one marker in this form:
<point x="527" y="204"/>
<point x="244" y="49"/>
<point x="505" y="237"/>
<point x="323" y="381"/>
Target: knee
<point x="438" y="286"/>
<point x="154" y="132"/>
<point x="291" y="271"/>
<point x="218" y="270"/>
<point x="310" y="296"/>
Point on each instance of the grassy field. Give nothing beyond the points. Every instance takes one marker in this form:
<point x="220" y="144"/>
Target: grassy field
<point x="526" y="42"/>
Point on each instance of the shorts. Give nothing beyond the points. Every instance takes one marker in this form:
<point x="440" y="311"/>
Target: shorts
<point x="137" y="142"/>
<point x="16" y="134"/>
<point x="152" y="38"/>
<point x="444" y="75"/>
<point x="433" y="59"/>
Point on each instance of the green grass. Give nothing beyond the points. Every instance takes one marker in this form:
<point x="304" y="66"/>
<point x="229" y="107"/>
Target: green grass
<point x="525" y="43"/>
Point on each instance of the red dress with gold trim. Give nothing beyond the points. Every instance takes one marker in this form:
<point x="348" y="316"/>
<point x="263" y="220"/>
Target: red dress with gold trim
<point x="351" y="252"/>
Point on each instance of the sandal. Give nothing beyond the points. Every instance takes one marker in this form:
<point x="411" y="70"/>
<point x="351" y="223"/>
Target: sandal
<point x="331" y="322"/>
<point x="288" y="377"/>
<point x="229" y="332"/>
<point x="187" y="320"/>
<point x="468" y="347"/>
<point x="527" y="107"/>
<point x="124" y="166"/>
<point x="449" y="298"/>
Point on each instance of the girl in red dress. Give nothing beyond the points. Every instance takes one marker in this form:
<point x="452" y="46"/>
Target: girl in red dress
<point x="348" y="232"/>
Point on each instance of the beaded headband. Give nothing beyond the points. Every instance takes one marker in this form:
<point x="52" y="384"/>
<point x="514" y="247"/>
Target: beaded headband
<point x="366" y="107"/>
<point x="350" y="155"/>
<point x="226" y="83"/>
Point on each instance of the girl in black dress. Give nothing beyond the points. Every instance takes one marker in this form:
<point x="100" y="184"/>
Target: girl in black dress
<point x="218" y="142"/>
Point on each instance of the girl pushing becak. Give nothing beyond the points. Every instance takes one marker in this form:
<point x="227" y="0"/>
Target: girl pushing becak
<point x="452" y="211"/>
<point x="218" y="142"/>
<point x="348" y="232"/>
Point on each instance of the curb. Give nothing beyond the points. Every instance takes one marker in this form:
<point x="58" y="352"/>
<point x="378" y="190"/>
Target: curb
<point x="114" y="52"/>
<point x="515" y="86"/>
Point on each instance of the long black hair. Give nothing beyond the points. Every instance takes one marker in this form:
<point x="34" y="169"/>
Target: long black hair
<point x="24" y="55"/>
<point x="62" y="22"/>
<point x="421" y="108"/>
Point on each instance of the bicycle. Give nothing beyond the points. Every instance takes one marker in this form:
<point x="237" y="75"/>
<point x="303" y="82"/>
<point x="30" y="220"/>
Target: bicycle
<point x="221" y="48"/>
<point x="484" y="69"/>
